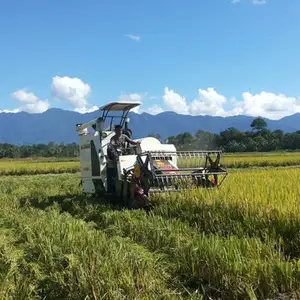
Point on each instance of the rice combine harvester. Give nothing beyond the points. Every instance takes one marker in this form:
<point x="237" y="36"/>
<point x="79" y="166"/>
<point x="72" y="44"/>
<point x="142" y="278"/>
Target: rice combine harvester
<point x="142" y="170"/>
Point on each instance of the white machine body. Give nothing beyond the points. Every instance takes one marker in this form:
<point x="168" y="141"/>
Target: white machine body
<point x="93" y="148"/>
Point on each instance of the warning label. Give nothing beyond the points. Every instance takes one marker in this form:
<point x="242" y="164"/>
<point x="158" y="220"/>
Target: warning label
<point x="164" y="165"/>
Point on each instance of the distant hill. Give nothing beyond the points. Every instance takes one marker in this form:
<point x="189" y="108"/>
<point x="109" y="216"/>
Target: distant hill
<point x="58" y="125"/>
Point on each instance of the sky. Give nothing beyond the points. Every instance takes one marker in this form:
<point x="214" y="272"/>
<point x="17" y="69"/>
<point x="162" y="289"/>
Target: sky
<point x="197" y="57"/>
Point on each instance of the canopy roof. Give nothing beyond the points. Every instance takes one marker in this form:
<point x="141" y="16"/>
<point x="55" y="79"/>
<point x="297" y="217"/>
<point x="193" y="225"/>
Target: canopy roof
<point x="119" y="106"/>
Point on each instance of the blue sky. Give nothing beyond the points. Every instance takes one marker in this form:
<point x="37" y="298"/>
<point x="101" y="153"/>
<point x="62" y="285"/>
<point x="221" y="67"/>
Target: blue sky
<point x="212" y="57"/>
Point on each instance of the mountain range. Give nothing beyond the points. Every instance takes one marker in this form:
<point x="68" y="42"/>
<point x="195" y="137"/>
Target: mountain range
<point x="58" y="125"/>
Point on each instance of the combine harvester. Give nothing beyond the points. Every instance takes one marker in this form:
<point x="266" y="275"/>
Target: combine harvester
<point x="142" y="170"/>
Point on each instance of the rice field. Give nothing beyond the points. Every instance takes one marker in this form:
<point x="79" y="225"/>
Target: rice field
<point x="244" y="160"/>
<point x="241" y="241"/>
<point x="34" y="167"/>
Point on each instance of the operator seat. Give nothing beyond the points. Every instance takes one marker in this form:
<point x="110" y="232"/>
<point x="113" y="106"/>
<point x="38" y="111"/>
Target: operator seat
<point x="127" y="132"/>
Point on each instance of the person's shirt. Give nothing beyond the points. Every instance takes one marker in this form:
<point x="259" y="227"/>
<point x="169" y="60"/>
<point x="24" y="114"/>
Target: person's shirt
<point x="119" y="142"/>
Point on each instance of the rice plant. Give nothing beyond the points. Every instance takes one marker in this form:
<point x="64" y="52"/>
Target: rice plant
<point x="248" y="160"/>
<point x="19" y="167"/>
<point x="237" y="242"/>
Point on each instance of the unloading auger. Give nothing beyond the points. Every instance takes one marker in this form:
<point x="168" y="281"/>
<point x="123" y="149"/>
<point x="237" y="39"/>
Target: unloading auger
<point x="150" y="167"/>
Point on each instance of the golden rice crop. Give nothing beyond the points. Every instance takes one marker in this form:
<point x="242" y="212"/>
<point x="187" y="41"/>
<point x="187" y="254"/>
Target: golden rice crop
<point x="246" y="160"/>
<point x="37" y="167"/>
<point x="237" y="242"/>
<point x="257" y="202"/>
<point x="229" y="160"/>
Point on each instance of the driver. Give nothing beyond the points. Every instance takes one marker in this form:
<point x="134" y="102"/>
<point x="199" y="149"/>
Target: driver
<point x="117" y="143"/>
<point x="119" y="140"/>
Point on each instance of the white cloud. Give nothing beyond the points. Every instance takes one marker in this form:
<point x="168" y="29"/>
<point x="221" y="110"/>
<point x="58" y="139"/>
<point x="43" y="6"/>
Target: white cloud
<point x="210" y="102"/>
<point x="154" y="110"/>
<point x="266" y="104"/>
<point x="7" y="111"/>
<point x="24" y="97"/>
<point x="38" y="107"/>
<point x="175" y="102"/>
<point x="255" y="2"/>
<point x="130" y="98"/>
<point x="207" y="102"/>
<point x="133" y="37"/>
<point x="72" y="90"/>
<point x="29" y="102"/>
<point x="86" y="110"/>
<point x="259" y="2"/>
<point x="137" y="98"/>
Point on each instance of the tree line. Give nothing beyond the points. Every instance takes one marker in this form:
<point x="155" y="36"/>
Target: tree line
<point x="259" y="139"/>
<point x="39" y="150"/>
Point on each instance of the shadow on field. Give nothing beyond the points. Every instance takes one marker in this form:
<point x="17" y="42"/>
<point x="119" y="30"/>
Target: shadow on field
<point x="77" y="205"/>
<point x="223" y="220"/>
